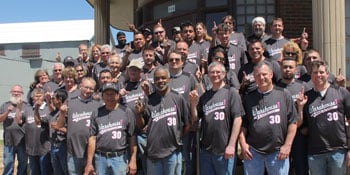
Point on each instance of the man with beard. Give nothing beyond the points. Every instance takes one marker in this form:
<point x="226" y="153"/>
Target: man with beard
<point x="167" y="122"/>
<point x="149" y="60"/>
<point x="11" y="114"/>
<point x="161" y="44"/>
<point x="295" y="87"/>
<point x="134" y="52"/>
<point x="120" y="48"/>
<point x="258" y="24"/>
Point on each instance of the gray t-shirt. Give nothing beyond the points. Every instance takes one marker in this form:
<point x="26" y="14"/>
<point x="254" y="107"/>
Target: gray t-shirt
<point x="166" y="117"/>
<point x="267" y="118"/>
<point x="195" y="53"/>
<point x="112" y="128"/>
<point x="78" y="124"/>
<point x="13" y="133"/>
<point x="217" y="109"/>
<point x="37" y="137"/>
<point x="325" y="119"/>
<point x="183" y="84"/>
<point x="273" y="47"/>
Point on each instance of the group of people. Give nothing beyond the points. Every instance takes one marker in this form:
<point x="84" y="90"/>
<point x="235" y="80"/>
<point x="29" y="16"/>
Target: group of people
<point x="192" y="104"/>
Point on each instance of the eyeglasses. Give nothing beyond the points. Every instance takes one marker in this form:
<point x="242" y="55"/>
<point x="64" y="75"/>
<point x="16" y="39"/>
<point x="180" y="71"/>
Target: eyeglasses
<point x="290" y="53"/>
<point x="79" y="70"/>
<point x="19" y="92"/>
<point x="105" y="53"/>
<point x="158" y="32"/>
<point x="88" y="88"/>
<point x="57" y="70"/>
<point x="176" y="59"/>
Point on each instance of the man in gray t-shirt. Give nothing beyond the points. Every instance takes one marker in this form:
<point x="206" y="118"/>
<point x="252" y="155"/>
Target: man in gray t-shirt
<point x="167" y="123"/>
<point x="78" y="113"/>
<point x="112" y="135"/>
<point x="11" y="114"/>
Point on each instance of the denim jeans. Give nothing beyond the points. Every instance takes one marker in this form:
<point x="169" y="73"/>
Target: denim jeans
<point x="9" y="159"/>
<point x="141" y="145"/>
<point x="170" y="165"/>
<point x="59" y="159"/>
<point x="259" y="162"/>
<point x="299" y="155"/>
<point x="76" y="166"/>
<point x="215" y="165"/>
<point x="332" y="163"/>
<point x="40" y="164"/>
<point x="111" y="165"/>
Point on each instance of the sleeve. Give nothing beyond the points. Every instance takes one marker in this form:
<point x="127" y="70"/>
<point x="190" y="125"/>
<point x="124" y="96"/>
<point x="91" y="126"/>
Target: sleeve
<point x="245" y="122"/>
<point x="93" y="125"/>
<point x="186" y="115"/>
<point x="292" y="114"/>
<point x="3" y="108"/>
<point x="346" y="96"/>
<point x="236" y="104"/>
<point x="200" y="108"/>
<point x="132" y="122"/>
<point x="233" y="80"/>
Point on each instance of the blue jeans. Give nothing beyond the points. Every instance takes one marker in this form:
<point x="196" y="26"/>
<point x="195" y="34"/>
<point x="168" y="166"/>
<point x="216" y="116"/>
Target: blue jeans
<point x="259" y="162"/>
<point x="111" y="165"/>
<point x="76" y="166"/>
<point x="59" y="159"/>
<point x="299" y="155"/>
<point x="141" y="145"/>
<point x="215" y="165"/>
<point x="40" y="164"/>
<point x="9" y="159"/>
<point x="332" y="163"/>
<point x="170" y="165"/>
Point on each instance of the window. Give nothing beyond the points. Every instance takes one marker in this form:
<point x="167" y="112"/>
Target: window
<point x="211" y="3"/>
<point x="246" y="10"/>
<point x="31" y="51"/>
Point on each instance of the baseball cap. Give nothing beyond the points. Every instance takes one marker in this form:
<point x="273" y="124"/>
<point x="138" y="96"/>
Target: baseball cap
<point x="110" y="86"/>
<point x="120" y="34"/>
<point x="135" y="63"/>
<point x="176" y="29"/>
<point x="69" y="61"/>
<point x="147" y="31"/>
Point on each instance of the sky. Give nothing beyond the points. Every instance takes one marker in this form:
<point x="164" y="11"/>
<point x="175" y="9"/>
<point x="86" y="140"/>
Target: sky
<point x="13" y="11"/>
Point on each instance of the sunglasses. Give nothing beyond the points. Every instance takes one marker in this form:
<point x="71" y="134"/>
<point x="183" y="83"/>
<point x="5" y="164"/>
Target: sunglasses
<point x="176" y="59"/>
<point x="291" y="53"/>
<point x="158" y="32"/>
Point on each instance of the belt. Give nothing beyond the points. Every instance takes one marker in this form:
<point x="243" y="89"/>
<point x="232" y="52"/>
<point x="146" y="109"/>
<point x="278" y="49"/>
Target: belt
<point x="111" y="154"/>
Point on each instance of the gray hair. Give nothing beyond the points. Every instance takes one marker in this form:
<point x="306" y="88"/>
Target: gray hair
<point x="216" y="63"/>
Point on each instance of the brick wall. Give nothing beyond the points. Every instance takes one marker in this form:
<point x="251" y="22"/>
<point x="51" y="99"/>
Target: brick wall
<point x="296" y="15"/>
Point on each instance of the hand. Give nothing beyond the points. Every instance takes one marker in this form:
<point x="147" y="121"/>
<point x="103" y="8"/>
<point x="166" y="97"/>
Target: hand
<point x="146" y="86"/>
<point x="123" y="92"/>
<point x="160" y="22"/>
<point x="132" y="168"/>
<point x="302" y="99"/>
<point x="131" y="27"/>
<point x="229" y="152"/>
<point x="213" y="30"/>
<point x="340" y="79"/>
<point x="58" y="57"/>
<point x="247" y="155"/>
<point x="48" y="96"/>
<point x="19" y="104"/>
<point x="64" y="109"/>
<point x="140" y="106"/>
<point x="10" y="108"/>
<point x="194" y="96"/>
<point x="89" y="169"/>
<point x="53" y="125"/>
<point x="129" y="49"/>
<point x="199" y="74"/>
<point x="284" y="152"/>
<point x="159" y="49"/>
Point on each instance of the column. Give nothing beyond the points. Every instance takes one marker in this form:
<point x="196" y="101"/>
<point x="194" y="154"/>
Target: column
<point x="102" y="23"/>
<point x="328" y="21"/>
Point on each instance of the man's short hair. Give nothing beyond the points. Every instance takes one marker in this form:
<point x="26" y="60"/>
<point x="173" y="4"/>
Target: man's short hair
<point x="61" y="94"/>
<point x="319" y="63"/>
<point x="259" y="19"/>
